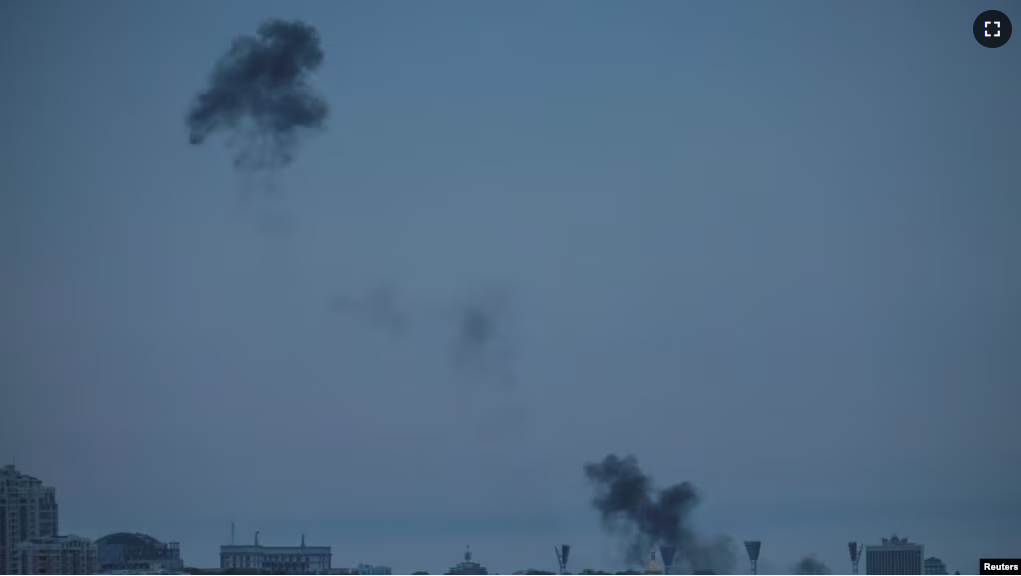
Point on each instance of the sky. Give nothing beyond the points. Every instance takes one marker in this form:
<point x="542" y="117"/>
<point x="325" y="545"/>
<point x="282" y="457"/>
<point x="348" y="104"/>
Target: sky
<point x="768" y="248"/>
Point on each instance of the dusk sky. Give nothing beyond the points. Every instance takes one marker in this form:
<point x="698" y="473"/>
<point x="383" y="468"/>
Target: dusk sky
<point x="771" y="248"/>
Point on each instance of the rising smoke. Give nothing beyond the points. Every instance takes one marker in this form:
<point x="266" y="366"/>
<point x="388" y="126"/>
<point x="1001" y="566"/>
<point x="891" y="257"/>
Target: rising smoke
<point x="810" y="565"/>
<point x="717" y="554"/>
<point x="259" y="95"/>
<point x="632" y="508"/>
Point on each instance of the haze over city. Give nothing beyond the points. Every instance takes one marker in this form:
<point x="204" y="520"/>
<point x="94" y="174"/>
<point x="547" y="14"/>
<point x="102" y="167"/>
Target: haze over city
<point x="766" y="248"/>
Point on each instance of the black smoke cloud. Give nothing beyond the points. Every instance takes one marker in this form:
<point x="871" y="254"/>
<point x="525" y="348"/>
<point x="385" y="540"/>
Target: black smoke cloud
<point x="631" y="507"/>
<point x="259" y="95"/>
<point x="810" y="565"/>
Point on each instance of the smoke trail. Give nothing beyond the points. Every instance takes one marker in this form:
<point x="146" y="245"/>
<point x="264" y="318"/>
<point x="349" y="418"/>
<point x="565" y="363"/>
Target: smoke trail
<point x="631" y="507"/>
<point x="483" y="344"/>
<point x="380" y="307"/>
<point x="259" y="95"/>
<point x="479" y="335"/>
<point x="484" y="358"/>
<point x="810" y="565"/>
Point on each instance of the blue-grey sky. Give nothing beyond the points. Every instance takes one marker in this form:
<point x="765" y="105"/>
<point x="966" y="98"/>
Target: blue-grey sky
<point x="768" y="247"/>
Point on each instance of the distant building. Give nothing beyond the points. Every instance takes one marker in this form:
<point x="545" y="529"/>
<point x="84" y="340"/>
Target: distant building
<point x="281" y="559"/>
<point x="57" y="555"/>
<point x="28" y="510"/>
<point x="895" y="556"/>
<point x="468" y="566"/>
<point x="373" y="570"/>
<point x="935" y="566"/>
<point x="137" y="552"/>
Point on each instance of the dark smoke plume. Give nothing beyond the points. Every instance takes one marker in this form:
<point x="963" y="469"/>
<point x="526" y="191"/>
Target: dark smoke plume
<point x="259" y="95"/>
<point x="810" y="565"/>
<point x="629" y="505"/>
<point x="646" y="518"/>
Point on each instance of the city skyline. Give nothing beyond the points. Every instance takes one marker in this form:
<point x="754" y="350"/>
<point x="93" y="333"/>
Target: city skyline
<point x="236" y="545"/>
<point x="769" y="249"/>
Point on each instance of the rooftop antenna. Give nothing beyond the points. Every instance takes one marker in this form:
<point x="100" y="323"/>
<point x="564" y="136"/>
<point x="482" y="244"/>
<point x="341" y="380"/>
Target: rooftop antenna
<point x="231" y="532"/>
<point x="753" y="547"/>
<point x="855" y="550"/>
<point x="256" y="537"/>
<point x="302" y="539"/>
<point x="562" y="552"/>
<point x="666" y="554"/>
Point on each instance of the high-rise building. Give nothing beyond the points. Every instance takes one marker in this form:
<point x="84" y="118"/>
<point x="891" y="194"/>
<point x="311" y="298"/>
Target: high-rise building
<point x="57" y="555"/>
<point x="28" y="510"/>
<point x="895" y="556"/>
<point x="370" y="570"/>
<point x="935" y="566"/>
